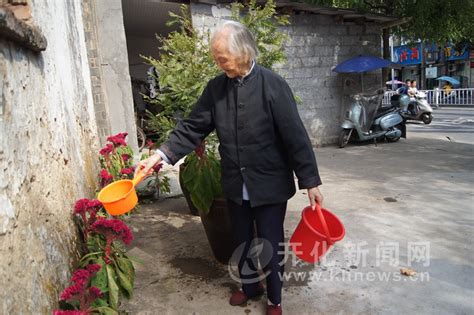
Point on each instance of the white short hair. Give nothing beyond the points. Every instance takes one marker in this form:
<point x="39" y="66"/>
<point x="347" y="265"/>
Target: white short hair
<point x="240" y="40"/>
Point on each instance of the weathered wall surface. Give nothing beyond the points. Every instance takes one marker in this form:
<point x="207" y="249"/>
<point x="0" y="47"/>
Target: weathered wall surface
<point x="48" y="145"/>
<point x="113" y="60"/>
<point x="317" y="44"/>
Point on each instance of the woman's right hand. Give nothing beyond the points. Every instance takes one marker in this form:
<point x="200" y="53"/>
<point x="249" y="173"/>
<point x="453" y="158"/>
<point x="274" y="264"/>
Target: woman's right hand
<point x="147" y="164"/>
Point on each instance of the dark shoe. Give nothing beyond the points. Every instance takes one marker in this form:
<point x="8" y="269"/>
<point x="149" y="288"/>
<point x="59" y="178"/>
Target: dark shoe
<point x="274" y="310"/>
<point x="239" y="297"/>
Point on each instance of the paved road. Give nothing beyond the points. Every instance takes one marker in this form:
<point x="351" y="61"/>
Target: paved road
<point x="455" y="124"/>
<point x="403" y="204"/>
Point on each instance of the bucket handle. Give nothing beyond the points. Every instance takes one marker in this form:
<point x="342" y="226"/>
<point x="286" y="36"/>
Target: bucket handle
<point x="323" y="223"/>
<point x="138" y="177"/>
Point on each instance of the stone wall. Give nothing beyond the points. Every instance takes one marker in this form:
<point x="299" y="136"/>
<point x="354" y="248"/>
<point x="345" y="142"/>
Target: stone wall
<point x="48" y="145"/>
<point x="317" y="44"/>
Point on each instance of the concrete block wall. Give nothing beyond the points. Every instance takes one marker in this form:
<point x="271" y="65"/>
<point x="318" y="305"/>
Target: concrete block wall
<point x="48" y="156"/>
<point x="114" y="68"/>
<point x="98" y="89"/>
<point x="317" y="43"/>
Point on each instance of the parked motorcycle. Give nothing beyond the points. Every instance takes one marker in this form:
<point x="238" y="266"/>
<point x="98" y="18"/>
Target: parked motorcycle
<point x="416" y="108"/>
<point x="366" y="120"/>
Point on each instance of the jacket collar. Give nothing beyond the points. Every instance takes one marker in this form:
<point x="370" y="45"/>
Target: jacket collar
<point x="244" y="79"/>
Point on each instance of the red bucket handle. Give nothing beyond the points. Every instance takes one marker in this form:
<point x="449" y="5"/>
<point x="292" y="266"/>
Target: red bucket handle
<point x="323" y="223"/>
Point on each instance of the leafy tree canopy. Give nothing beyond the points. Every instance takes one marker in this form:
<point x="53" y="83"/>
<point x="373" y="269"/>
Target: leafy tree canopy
<point x="431" y="20"/>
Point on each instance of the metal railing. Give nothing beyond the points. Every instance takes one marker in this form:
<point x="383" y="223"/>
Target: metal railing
<point x="438" y="97"/>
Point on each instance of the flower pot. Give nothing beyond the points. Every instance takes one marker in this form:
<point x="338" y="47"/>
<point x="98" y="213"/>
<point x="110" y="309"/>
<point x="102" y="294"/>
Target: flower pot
<point x="187" y="195"/>
<point x="218" y="227"/>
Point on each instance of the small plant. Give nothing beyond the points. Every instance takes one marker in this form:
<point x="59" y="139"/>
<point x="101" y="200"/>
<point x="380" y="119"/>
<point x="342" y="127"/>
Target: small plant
<point x="81" y="297"/>
<point x="201" y="176"/>
<point x="106" y="249"/>
<point x="116" y="161"/>
<point x="87" y="210"/>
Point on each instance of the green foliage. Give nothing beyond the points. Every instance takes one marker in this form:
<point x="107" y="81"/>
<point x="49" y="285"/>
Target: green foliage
<point x="185" y="66"/>
<point x="263" y="22"/>
<point x="438" y="21"/>
<point x="201" y="176"/>
<point x="114" y="279"/>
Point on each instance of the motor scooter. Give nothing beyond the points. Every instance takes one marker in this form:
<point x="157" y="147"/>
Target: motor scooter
<point x="418" y="109"/>
<point x="365" y="120"/>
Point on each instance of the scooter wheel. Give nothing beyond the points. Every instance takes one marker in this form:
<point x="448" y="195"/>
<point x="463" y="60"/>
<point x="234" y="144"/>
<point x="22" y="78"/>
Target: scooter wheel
<point x="427" y="118"/>
<point x="344" y="137"/>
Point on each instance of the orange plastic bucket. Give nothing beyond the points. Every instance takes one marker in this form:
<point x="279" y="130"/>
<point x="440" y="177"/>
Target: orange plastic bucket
<point x="316" y="233"/>
<point x="120" y="196"/>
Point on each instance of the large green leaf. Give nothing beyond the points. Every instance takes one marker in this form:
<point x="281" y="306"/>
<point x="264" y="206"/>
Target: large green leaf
<point x="113" y="287"/>
<point x="125" y="281"/>
<point x="125" y="264"/>
<point x="104" y="310"/>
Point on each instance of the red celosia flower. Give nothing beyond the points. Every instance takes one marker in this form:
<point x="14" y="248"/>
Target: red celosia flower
<point x="72" y="292"/>
<point x="95" y="293"/>
<point x="84" y="207"/>
<point x="157" y="167"/>
<point x="79" y="291"/>
<point x="200" y="149"/>
<point x="80" y="276"/>
<point x="112" y="229"/>
<point x="105" y="151"/>
<point x="121" y="135"/>
<point x="118" y="139"/>
<point x="125" y="157"/>
<point x="149" y="143"/>
<point x="81" y="206"/>
<point x="105" y="175"/>
<point x="93" y="268"/>
<point x="126" y="171"/>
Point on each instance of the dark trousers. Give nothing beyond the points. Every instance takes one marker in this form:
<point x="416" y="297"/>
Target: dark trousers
<point x="269" y="249"/>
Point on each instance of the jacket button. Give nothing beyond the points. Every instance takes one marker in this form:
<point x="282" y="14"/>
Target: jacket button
<point x="241" y="105"/>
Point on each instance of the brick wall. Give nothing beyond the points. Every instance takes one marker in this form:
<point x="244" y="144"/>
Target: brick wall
<point x="99" y="97"/>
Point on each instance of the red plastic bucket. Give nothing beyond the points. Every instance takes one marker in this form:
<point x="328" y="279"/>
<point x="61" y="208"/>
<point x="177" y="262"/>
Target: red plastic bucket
<point x="316" y="233"/>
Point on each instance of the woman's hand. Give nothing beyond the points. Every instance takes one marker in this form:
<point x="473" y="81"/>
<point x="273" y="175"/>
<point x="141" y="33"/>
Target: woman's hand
<point x="146" y="165"/>
<point x="315" y="196"/>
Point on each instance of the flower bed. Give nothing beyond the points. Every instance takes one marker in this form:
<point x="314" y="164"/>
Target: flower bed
<point x="105" y="273"/>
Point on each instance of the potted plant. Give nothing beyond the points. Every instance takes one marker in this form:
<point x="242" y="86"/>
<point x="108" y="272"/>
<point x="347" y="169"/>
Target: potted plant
<point x="185" y="66"/>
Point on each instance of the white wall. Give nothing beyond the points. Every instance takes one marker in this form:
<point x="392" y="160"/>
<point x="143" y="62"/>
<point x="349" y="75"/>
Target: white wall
<point x="48" y="152"/>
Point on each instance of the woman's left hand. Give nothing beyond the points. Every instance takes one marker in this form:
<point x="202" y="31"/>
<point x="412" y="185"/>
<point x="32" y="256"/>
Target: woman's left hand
<point x="315" y="196"/>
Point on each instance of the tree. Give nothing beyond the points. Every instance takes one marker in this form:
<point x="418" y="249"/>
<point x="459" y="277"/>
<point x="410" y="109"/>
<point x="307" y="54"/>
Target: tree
<point x="430" y="20"/>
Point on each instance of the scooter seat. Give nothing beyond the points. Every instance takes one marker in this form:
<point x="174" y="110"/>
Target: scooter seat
<point x="384" y="111"/>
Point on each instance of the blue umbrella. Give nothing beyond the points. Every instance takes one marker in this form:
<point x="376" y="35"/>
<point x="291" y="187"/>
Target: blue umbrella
<point x="361" y="64"/>
<point x="449" y="79"/>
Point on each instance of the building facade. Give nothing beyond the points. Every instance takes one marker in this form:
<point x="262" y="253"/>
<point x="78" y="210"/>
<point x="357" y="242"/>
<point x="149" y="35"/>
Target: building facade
<point x="426" y="62"/>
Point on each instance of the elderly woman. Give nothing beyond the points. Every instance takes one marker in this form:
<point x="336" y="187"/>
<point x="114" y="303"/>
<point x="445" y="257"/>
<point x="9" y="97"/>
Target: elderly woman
<point x="262" y="141"/>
